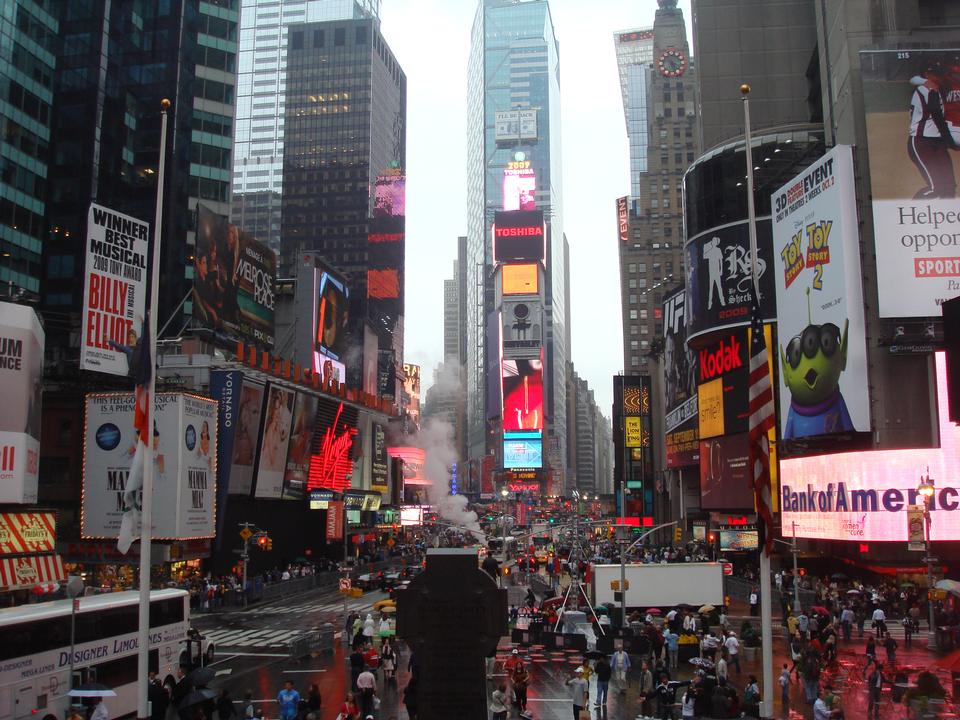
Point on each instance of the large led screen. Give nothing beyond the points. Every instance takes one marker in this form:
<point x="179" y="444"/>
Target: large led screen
<point x="332" y="314"/>
<point x="519" y="187"/>
<point x="863" y="496"/>
<point x="724" y="479"/>
<point x="519" y="235"/>
<point x="738" y="540"/>
<point x="522" y="395"/>
<point x="520" y="279"/>
<point x="522" y="450"/>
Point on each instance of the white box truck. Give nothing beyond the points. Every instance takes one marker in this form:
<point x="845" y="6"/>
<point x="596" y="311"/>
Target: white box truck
<point x="661" y="585"/>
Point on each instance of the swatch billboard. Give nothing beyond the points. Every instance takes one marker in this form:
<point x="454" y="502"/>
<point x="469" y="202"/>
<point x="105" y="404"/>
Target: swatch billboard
<point x="864" y="496"/>
<point x="821" y="326"/>
<point x="912" y="110"/>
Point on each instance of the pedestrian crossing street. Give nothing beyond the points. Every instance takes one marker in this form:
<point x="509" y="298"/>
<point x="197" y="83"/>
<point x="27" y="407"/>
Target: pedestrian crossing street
<point x="313" y="615"/>
<point x="895" y="630"/>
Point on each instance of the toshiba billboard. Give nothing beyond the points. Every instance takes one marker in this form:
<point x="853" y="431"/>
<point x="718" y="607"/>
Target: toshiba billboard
<point x="519" y="235"/>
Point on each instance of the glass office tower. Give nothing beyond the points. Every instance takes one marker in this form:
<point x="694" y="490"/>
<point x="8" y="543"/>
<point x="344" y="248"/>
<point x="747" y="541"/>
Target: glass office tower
<point x="514" y="65"/>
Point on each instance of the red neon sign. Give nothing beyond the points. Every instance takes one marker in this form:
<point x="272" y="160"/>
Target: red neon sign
<point x="332" y="467"/>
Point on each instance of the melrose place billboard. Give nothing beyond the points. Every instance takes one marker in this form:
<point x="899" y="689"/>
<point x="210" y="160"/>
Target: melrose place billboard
<point x="864" y="496"/>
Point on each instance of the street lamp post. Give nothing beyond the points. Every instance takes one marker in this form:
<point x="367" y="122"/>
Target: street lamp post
<point x="504" y="493"/>
<point x="926" y="489"/>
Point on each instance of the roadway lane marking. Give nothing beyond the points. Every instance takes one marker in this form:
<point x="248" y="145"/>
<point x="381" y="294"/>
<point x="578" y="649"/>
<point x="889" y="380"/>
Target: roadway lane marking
<point x="258" y="654"/>
<point x="305" y="671"/>
<point x="221" y="661"/>
<point x="227" y="671"/>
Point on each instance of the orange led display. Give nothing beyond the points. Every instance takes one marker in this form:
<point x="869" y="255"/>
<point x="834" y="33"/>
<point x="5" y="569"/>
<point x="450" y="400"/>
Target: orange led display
<point x="520" y="279"/>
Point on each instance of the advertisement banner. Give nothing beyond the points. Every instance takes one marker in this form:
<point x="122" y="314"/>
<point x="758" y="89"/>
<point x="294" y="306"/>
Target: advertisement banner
<point x="719" y="277"/>
<point x="520" y="279"/>
<point x="522" y="329"/>
<point x="225" y="388"/>
<point x="379" y="469"/>
<point x="864" y="496"/>
<point x="821" y="326"/>
<point x="25" y="572"/>
<point x="738" y="540"/>
<point x="522" y="450"/>
<point x="274" y="438"/>
<point x="246" y="437"/>
<point x="633" y="435"/>
<point x="114" y="289"/>
<point x="197" y="467"/>
<point x="334" y="520"/>
<point x="321" y="334"/>
<point x="21" y="375"/>
<point x="506" y="125"/>
<point x="913" y="171"/>
<point x="234" y="280"/>
<point x="331" y="466"/>
<point x="723" y="371"/>
<point x="623" y="223"/>
<point x="527" y="120"/>
<point x="185" y="450"/>
<point x="385" y="275"/>
<point x="298" y="453"/>
<point x="519" y="235"/>
<point x="724" y="480"/>
<point x="522" y="384"/>
<point x="519" y="186"/>
<point x="916" y="534"/>
<point x="411" y="392"/>
<point x="680" y="386"/>
<point x="27" y="532"/>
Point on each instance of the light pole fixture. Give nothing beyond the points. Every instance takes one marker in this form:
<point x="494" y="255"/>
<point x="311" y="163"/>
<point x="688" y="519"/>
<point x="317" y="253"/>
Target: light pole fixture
<point x="926" y="489"/>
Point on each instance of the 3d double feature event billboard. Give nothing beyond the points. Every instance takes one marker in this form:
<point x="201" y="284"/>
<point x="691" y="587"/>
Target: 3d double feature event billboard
<point x="519" y="235"/>
<point x="864" y="496"/>
<point x="234" y="280"/>
<point x="522" y="450"/>
<point x="680" y="385"/>
<point x="821" y="326"/>
<point x="720" y="281"/>
<point x="912" y="111"/>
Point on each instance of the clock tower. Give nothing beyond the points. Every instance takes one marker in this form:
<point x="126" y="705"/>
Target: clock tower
<point x="651" y="251"/>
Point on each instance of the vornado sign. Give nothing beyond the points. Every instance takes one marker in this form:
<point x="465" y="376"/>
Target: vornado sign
<point x="865" y="495"/>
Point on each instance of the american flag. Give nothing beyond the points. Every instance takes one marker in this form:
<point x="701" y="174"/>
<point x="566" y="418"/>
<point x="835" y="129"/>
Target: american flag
<point x="761" y="420"/>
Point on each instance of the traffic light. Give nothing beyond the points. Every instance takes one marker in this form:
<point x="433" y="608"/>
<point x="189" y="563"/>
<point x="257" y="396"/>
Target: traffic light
<point x="269" y="544"/>
<point x="711" y="537"/>
<point x="677" y="534"/>
<point x="262" y="541"/>
<point x="506" y="571"/>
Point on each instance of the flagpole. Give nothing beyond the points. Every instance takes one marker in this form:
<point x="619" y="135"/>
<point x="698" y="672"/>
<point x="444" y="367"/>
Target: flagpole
<point x="146" y="503"/>
<point x="766" y="620"/>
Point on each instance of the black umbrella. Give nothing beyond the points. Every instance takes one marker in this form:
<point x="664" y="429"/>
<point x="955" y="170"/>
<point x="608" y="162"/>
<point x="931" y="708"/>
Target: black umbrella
<point x="197" y="697"/>
<point x="594" y="654"/>
<point x="200" y="677"/>
<point x="839" y="576"/>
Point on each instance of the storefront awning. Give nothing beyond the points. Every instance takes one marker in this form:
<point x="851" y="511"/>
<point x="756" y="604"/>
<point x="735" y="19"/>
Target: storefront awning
<point x="25" y="572"/>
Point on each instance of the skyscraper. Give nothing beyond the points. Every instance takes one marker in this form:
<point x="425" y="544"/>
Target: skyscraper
<point x="513" y="130"/>
<point x="106" y="135"/>
<point x="662" y="144"/>
<point x="634" y="50"/>
<point x="261" y="88"/>
<point x="28" y="54"/>
<point x="343" y="184"/>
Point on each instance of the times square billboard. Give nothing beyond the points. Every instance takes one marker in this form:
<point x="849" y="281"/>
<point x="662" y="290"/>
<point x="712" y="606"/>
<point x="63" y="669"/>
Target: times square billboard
<point x="864" y="496"/>
<point x="680" y="385"/>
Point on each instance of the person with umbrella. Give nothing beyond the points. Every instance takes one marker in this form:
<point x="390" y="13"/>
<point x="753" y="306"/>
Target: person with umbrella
<point x="225" y="708"/>
<point x="603" y="672"/>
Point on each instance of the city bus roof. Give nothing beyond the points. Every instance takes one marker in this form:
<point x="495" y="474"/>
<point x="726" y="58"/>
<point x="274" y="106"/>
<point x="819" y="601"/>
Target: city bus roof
<point x="91" y="603"/>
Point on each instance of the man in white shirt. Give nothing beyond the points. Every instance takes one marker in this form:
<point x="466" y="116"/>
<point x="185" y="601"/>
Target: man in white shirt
<point x="721" y="669"/>
<point x="733" y="650"/>
<point x="880" y="622"/>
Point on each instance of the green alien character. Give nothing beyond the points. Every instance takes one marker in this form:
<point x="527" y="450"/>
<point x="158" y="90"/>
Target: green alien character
<point x="811" y="366"/>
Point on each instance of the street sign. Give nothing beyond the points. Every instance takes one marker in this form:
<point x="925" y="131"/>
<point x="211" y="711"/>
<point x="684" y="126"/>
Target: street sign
<point x="345" y="584"/>
<point x="728" y="569"/>
<point x="246" y="533"/>
<point x="391" y="542"/>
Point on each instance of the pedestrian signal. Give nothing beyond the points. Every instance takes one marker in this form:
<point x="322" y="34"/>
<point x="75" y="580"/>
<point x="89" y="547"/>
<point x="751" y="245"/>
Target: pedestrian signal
<point x="677" y="534"/>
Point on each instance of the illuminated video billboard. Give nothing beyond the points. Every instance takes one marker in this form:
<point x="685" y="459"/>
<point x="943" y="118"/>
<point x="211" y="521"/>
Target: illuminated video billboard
<point x="522" y="450"/>
<point x="522" y="384"/>
<point x="519" y="235"/>
<point x="864" y="496"/>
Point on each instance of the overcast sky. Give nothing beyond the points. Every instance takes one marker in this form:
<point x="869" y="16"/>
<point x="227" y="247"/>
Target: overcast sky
<point x="431" y="40"/>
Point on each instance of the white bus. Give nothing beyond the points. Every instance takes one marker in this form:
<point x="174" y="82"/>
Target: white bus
<point x="35" y="650"/>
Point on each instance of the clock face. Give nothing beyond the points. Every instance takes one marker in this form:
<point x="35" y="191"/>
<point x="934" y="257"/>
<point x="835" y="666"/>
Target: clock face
<point x="672" y="63"/>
